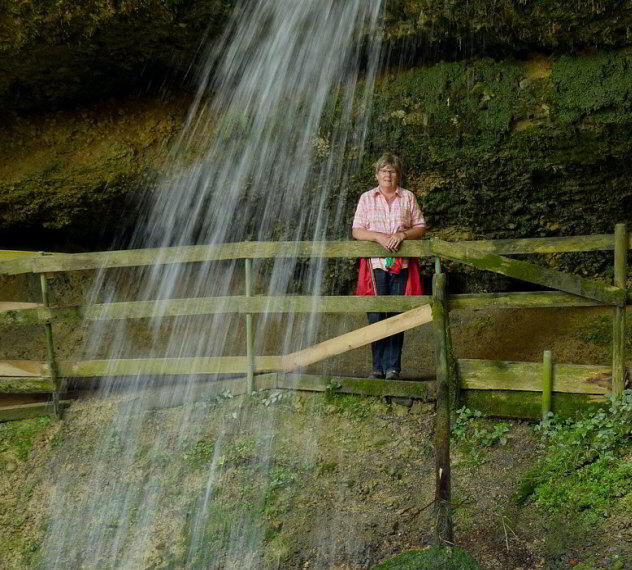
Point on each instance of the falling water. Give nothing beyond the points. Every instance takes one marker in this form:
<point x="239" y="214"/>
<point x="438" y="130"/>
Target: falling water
<point x="269" y="171"/>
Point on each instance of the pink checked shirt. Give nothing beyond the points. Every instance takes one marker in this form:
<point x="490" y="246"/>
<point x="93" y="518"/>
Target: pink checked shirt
<point x="374" y="214"/>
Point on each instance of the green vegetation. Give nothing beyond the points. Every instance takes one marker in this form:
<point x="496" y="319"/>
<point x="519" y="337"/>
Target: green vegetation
<point x="435" y="558"/>
<point x="473" y="430"/>
<point x="17" y="438"/>
<point x="585" y="468"/>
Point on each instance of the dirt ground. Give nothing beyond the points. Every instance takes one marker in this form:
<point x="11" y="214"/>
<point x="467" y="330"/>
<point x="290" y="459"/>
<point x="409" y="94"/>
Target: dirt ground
<point x="276" y="480"/>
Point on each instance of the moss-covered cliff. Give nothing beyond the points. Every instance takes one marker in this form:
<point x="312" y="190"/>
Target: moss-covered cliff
<point x="452" y="28"/>
<point x="77" y="51"/>
<point x="523" y="145"/>
<point x="508" y="149"/>
<point x="80" y="173"/>
<point x="493" y="149"/>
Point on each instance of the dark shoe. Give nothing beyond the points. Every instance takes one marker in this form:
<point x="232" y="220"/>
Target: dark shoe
<point x="392" y="375"/>
<point x="376" y="374"/>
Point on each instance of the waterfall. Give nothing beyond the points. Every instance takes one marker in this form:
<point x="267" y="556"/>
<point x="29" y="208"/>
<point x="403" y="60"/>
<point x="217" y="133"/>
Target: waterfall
<point x="269" y="171"/>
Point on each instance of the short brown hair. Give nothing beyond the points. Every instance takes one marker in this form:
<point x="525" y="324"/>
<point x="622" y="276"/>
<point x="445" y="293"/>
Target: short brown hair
<point x="389" y="159"/>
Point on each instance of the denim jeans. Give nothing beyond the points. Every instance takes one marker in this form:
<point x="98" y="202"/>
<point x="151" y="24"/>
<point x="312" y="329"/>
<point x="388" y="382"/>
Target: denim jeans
<point x="387" y="352"/>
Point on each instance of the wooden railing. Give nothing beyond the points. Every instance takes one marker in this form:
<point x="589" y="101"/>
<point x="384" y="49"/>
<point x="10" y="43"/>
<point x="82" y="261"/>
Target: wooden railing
<point x="572" y="291"/>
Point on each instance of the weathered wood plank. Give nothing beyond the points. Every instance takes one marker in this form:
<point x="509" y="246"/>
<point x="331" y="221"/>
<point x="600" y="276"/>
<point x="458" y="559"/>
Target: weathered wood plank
<point x="196" y="253"/>
<point x="213" y="305"/>
<point x="547" y="382"/>
<point x="529" y="272"/>
<point x="527" y="405"/>
<point x="357" y="338"/>
<point x="28" y="411"/>
<point x="165" y="366"/>
<point x="519" y="300"/>
<point x="26" y="385"/>
<point x="17" y="306"/>
<point x="594" y="242"/>
<point x="23" y="368"/>
<point x="252" y="250"/>
<point x="360" y="386"/>
<point x="10" y="254"/>
<point x="618" y="323"/>
<point x="287" y="304"/>
<point x="527" y="376"/>
<point x="443" y="528"/>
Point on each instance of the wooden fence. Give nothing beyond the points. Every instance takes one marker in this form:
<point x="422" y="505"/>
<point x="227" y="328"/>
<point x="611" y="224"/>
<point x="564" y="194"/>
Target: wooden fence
<point x="517" y="388"/>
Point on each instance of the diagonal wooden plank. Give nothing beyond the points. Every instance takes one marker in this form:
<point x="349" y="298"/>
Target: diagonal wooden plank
<point x="357" y="338"/>
<point x="23" y="368"/>
<point x="530" y="272"/>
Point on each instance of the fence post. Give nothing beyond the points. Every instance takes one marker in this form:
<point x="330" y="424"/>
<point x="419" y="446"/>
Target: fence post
<point x="618" y="332"/>
<point x="547" y="382"/>
<point x="250" y="353"/>
<point x="443" y="511"/>
<point x="50" y="345"/>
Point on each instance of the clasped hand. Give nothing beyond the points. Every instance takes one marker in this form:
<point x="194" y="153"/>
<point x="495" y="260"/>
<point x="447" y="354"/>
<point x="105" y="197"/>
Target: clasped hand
<point x="393" y="241"/>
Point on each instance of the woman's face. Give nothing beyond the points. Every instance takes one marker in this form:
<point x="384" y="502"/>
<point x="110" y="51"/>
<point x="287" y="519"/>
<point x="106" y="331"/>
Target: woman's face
<point x="387" y="177"/>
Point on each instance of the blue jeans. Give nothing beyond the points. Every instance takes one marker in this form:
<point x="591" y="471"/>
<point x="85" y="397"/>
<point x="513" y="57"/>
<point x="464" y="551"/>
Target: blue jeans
<point x="387" y="353"/>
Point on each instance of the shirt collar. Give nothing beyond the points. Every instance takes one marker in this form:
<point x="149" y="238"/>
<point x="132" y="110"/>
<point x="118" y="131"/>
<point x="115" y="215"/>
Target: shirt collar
<point x="376" y="191"/>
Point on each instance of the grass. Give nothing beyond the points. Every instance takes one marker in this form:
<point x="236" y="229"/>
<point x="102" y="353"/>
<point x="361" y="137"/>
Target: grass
<point x="17" y="438"/>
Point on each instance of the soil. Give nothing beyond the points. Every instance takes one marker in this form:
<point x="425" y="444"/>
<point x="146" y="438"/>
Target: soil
<point x="293" y="480"/>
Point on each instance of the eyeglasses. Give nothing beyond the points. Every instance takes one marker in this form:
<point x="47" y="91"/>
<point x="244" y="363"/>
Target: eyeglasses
<point x="387" y="171"/>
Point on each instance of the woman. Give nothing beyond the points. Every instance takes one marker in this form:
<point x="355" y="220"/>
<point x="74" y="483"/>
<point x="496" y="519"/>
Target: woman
<point x="388" y="215"/>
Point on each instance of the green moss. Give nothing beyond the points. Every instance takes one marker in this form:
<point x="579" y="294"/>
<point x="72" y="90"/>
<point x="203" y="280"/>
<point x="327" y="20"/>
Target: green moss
<point x="595" y="88"/>
<point x="528" y="405"/>
<point x="435" y="558"/>
<point x="17" y="438"/>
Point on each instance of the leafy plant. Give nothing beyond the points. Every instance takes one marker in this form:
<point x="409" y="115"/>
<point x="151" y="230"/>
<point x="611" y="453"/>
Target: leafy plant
<point x="470" y="428"/>
<point x="583" y="469"/>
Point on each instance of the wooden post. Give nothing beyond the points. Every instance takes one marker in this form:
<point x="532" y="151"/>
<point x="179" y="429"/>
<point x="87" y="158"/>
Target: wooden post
<point x="50" y="345"/>
<point x="547" y="382"/>
<point x="250" y="352"/>
<point x="618" y="332"/>
<point x="443" y="511"/>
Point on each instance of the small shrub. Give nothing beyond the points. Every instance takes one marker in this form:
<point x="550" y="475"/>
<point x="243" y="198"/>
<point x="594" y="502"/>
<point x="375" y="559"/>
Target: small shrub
<point x="470" y="428"/>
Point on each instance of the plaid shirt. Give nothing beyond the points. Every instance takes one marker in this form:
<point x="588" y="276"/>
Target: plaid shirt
<point x="374" y="213"/>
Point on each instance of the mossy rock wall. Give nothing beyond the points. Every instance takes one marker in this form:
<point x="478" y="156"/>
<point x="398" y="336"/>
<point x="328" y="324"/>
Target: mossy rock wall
<point x="508" y="149"/>
<point x="80" y="175"/>
<point x="493" y="149"/>
<point x="108" y="46"/>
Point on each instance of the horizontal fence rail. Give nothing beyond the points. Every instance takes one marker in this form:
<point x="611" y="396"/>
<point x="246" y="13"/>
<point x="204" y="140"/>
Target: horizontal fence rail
<point x="29" y="263"/>
<point x="284" y="304"/>
<point x="510" y="379"/>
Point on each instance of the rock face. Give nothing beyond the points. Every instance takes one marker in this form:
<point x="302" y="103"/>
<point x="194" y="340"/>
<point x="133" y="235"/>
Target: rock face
<point x="55" y="54"/>
<point x="514" y="146"/>
<point x="82" y="171"/>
